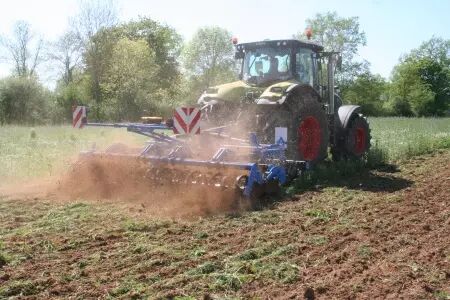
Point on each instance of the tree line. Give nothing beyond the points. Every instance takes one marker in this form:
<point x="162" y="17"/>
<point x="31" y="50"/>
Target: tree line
<point x="123" y="70"/>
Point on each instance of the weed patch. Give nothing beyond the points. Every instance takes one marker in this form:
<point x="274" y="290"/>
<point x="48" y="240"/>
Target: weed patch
<point x="17" y="288"/>
<point x="286" y="273"/>
<point x="226" y="281"/>
<point x="319" y="215"/>
<point x="249" y="255"/>
<point x="198" y="252"/>
<point x="205" y="268"/>
<point x="4" y="259"/>
<point x="364" y="252"/>
<point x="441" y="295"/>
<point x="129" y="287"/>
<point x="135" y="226"/>
<point x="317" y="240"/>
<point x="201" y="235"/>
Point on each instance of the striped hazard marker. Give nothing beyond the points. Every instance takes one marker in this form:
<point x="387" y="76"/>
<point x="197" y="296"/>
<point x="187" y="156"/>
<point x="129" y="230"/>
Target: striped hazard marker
<point x="186" y="120"/>
<point x="78" y="116"/>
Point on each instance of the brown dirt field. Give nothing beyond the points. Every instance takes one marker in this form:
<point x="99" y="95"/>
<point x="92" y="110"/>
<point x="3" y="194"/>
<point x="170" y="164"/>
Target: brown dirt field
<point x="383" y="234"/>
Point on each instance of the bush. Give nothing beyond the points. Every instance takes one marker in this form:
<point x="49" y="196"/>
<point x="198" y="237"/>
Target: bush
<point x="24" y="100"/>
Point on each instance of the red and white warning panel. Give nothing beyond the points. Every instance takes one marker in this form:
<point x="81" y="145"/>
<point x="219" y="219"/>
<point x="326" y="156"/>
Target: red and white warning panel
<point x="79" y="116"/>
<point x="186" y="120"/>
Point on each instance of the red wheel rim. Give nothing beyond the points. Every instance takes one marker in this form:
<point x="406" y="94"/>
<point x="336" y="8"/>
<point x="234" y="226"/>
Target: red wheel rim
<point x="309" y="138"/>
<point x="360" y="140"/>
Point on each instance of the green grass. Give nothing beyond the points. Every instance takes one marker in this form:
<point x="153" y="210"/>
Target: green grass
<point x="27" y="152"/>
<point x="393" y="140"/>
<point x="402" y="138"/>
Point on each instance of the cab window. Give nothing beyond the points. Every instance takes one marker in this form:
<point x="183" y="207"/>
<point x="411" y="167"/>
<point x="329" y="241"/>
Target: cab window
<point x="304" y="66"/>
<point x="283" y="62"/>
<point x="267" y="64"/>
<point x="260" y="65"/>
<point x="263" y="64"/>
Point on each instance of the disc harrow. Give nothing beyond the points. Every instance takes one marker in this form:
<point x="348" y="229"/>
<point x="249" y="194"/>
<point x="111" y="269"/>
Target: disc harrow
<point x="246" y="168"/>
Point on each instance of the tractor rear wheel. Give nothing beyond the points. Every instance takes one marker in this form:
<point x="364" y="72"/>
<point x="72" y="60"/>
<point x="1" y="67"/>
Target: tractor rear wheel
<point x="306" y="122"/>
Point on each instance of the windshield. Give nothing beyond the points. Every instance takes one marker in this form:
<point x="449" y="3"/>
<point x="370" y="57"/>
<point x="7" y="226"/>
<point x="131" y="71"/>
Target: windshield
<point x="267" y="64"/>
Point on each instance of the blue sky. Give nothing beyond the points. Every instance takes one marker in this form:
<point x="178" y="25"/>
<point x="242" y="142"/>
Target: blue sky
<point x="392" y="27"/>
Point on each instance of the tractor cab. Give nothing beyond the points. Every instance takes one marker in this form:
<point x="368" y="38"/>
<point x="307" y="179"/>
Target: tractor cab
<point x="268" y="62"/>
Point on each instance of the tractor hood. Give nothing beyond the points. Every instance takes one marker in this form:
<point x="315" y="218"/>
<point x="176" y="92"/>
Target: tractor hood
<point x="240" y="91"/>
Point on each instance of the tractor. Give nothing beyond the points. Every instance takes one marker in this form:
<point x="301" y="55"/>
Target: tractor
<point x="251" y="136"/>
<point x="286" y="89"/>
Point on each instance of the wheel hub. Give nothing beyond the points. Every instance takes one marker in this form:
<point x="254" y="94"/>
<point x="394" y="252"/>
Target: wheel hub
<point x="360" y="140"/>
<point x="309" y="138"/>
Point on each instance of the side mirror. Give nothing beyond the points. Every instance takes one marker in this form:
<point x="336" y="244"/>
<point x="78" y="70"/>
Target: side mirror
<point x="337" y="90"/>
<point x="339" y="62"/>
<point x="239" y="55"/>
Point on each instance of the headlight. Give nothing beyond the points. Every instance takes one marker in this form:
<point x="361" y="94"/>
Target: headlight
<point x="277" y="89"/>
<point x="206" y="101"/>
<point x="212" y="90"/>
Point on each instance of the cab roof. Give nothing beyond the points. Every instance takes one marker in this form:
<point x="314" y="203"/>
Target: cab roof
<point x="290" y="43"/>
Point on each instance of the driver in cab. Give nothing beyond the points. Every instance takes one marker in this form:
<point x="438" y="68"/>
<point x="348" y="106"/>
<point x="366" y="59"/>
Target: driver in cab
<point x="273" y="72"/>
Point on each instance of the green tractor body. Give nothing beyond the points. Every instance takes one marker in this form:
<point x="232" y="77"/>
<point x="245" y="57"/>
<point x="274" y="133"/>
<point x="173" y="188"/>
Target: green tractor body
<point x="288" y="86"/>
<point x="268" y="68"/>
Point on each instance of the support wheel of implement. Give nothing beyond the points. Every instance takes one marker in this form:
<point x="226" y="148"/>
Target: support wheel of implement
<point x="306" y="122"/>
<point x="246" y="202"/>
<point x="356" y="141"/>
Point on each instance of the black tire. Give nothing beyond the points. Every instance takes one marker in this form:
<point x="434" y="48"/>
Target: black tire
<point x="306" y="122"/>
<point x="356" y="140"/>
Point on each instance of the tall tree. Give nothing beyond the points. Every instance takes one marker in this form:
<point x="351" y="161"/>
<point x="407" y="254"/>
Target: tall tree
<point x="163" y="42"/>
<point x="422" y="79"/>
<point x="208" y="56"/>
<point x="130" y="86"/>
<point x="368" y="91"/>
<point x="342" y="35"/>
<point x="93" y="18"/>
<point x="436" y="49"/>
<point x="24" y="49"/>
<point x="409" y="94"/>
<point x="66" y="55"/>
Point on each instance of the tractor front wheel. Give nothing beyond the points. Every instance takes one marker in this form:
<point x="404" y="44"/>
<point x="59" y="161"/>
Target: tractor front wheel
<point x="356" y="142"/>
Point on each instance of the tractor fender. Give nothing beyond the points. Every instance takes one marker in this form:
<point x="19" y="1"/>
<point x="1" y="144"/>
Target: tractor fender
<point x="291" y="87"/>
<point x="345" y="113"/>
<point x="297" y="88"/>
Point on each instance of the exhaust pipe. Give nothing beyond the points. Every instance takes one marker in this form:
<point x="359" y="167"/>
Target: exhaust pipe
<point x="330" y="79"/>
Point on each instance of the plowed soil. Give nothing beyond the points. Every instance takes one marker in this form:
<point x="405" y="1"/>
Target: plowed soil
<point x="381" y="234"/>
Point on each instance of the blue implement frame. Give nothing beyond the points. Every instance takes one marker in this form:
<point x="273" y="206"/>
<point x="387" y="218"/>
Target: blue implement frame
<point x="269" y="159"/>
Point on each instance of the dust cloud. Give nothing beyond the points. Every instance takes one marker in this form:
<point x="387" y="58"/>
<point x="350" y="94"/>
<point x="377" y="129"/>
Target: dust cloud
<point x="126" y="180"/>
